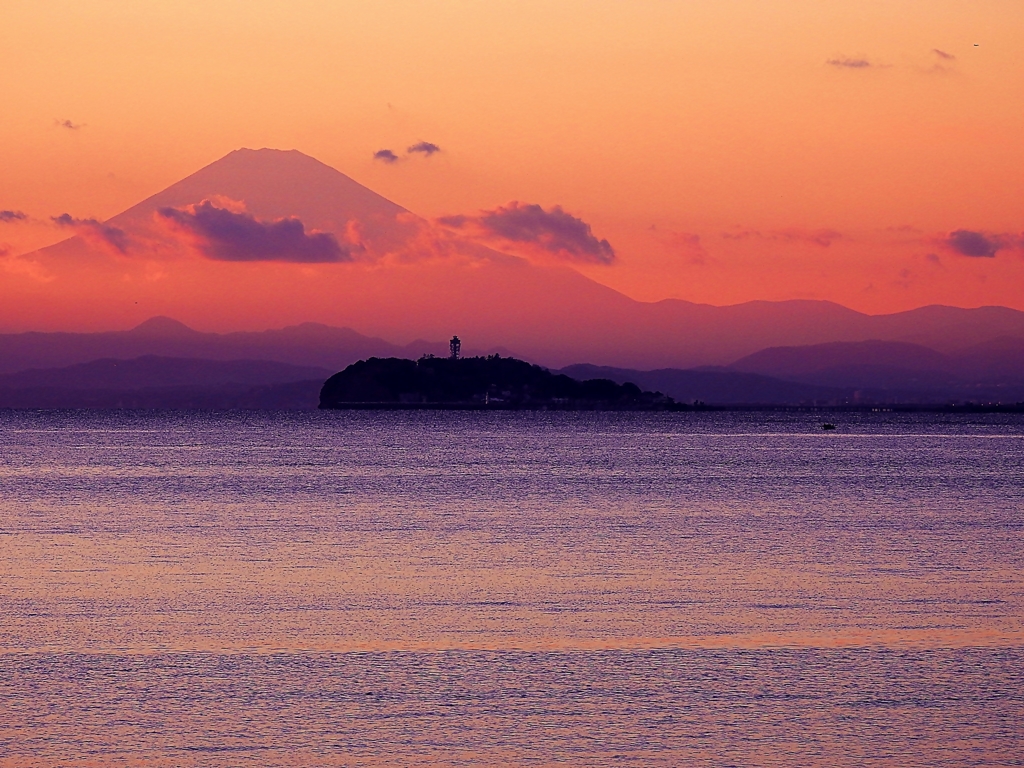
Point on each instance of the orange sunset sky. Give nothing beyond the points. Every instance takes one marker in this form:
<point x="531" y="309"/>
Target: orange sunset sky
<point x="864" y="152"/>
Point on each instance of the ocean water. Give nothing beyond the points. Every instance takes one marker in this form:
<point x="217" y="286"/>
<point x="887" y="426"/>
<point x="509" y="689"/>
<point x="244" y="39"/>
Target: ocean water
<point x="520" y="589"/>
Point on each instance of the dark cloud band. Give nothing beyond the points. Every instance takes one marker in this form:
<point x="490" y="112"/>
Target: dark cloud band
<point x="849" y="63"/>
<point x="225" y="235"/>
<point x="976" y="244"/>
<point x="424" y="147"/>
<point x="820" y="237"/>
<point x="95" y="230"/>
<point x="553" y="231"/>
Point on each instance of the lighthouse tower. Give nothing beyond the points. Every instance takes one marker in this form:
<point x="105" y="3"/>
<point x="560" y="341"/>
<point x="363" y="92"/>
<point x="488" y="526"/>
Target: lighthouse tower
<point x="456" y="347"/>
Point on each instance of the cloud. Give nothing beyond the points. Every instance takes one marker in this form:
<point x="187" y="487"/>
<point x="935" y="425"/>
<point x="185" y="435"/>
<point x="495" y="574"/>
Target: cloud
<point x="687" y="244"/>
<point x="820" y="237"/>
<point x="424" y="147"/>
<point x="526" y="226"/>
<point x="975" y="244"/>
<point x="385" y="155"/>
<point x="849" y="63"/>
<point x="19" y="266"/>
<point x="12" y="216"/>
<point x="419" y="241"/>
<point x="68" y="124"/>
<point x="30" y="269"/>
<point x="95" y="232"/>
<point x="945" y="63"/>
<point x="225" y="235"/>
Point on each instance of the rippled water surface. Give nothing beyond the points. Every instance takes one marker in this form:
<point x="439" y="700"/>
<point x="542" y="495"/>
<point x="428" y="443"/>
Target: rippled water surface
<point x="464" y="589"/>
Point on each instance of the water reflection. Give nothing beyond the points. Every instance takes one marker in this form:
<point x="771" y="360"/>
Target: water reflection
<point x="521" y="589"/>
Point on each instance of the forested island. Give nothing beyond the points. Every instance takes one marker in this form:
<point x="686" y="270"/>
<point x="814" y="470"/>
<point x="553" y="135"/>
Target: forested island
<point x="492" y="382"/>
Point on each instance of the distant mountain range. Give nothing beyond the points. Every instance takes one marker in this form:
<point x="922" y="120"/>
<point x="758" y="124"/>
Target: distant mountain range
<point x="164" y="364"/>
<point x="870" y="363"/>
<point x="310" y="344"/>
<point x="843" y="373"/>
<point x="894" y="371"/>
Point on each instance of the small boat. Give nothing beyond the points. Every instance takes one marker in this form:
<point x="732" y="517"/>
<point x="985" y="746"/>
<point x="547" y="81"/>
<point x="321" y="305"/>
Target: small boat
<point x="827" y="426"/>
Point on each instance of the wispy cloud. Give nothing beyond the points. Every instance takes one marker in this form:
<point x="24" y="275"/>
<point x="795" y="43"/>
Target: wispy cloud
<point x="385" y="156"/>
<point x="424" y="147"/>
<point x="531" y="228"/>
<point x="688" y="245"/>
<point x="849" y="62"/>
<point x="943" y="63"/>
<point x="226" y="235"/>
<point x="6" y="216"/>
<point x="15" y="265"/>
<point x="95" y="232"/>
<point x="820" y="237"/>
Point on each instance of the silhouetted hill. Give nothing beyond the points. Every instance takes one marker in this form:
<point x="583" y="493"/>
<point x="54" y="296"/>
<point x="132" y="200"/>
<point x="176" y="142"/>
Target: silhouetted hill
<point x="477" y="382"/>
<point x="163" y="328"/>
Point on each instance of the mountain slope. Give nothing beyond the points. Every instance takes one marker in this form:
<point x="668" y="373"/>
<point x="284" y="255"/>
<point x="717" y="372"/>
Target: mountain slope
<point x="275" y="184"/>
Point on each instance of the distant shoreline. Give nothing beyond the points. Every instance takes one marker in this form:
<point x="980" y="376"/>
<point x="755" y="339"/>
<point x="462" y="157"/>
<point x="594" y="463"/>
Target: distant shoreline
<point x="505" y="407"/>
<point x="820" y="409"/>
<point x="684" y="408"/>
